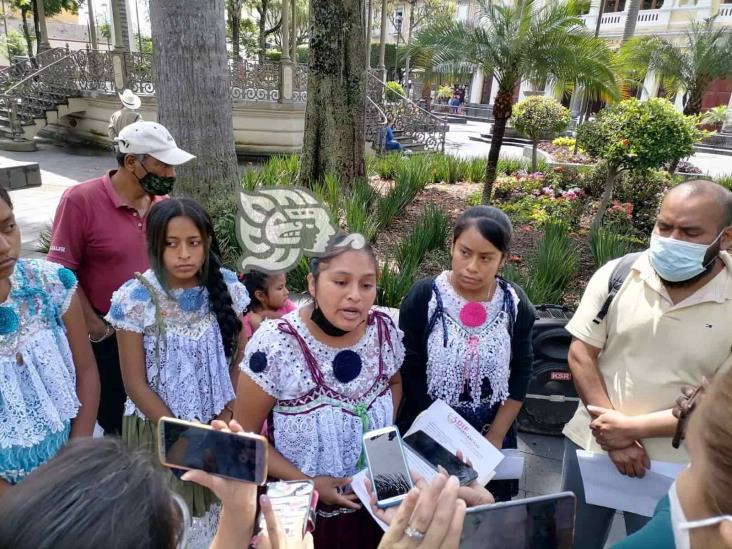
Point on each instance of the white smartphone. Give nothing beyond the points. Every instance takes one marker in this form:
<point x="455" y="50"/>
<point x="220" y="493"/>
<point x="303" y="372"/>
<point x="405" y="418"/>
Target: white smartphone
<point x="387" y="466"/>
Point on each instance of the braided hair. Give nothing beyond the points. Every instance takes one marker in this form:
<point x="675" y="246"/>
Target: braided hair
<point x="256" y="281"/>
<point x="210" y="276"/>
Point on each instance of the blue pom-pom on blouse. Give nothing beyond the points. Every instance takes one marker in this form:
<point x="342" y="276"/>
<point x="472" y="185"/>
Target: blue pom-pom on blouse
<point x="8" y="321"/>
<point x="346" y="366"/>
<point x="116" y="312"/>
<point x="67" y="277"/>
<point x="258" y="362"/>
<point x="140" y="294"/>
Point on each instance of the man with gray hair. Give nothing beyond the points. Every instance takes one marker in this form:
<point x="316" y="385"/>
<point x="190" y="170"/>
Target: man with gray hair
<point x="668" y="325"/>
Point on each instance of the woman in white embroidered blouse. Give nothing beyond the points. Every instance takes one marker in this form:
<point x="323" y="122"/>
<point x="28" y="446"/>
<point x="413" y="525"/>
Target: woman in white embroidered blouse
<point x="468" y="336"/>
<point x="324" y="375"/>
<point x="50" y="386"/>
<point x="180" y="338"/>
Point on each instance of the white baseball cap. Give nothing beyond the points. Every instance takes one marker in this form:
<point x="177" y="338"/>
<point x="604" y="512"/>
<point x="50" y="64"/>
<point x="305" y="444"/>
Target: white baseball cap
<point x="153" y="139"/>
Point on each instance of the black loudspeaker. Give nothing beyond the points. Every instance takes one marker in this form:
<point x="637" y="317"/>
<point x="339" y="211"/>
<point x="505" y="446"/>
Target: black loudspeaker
<point x="551" y="398"/>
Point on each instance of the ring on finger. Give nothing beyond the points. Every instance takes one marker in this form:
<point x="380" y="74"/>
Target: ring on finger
<point x="413" y="534"/>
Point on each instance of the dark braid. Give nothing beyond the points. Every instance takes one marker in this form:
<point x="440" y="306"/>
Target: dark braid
<point x="221" y="303"/>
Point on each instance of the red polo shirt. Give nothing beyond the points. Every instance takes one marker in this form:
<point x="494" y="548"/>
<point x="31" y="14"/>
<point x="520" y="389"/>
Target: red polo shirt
<point x="99" y="237"/>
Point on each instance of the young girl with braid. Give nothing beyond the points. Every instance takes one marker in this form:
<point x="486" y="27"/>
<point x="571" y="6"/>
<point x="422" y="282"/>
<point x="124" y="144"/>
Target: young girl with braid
<point x="180" y="338"/>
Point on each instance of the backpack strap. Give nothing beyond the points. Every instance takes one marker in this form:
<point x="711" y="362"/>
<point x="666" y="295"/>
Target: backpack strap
<point x="617" y="277"/>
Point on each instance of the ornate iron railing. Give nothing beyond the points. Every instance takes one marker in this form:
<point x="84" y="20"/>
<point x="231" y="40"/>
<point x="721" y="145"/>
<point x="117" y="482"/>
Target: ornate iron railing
<point x="25" y="66"/>
<point x="254" y="81"/>
<point x="140" y="73"/>
<point x="375" y="125"/>
<point x="300" y="83"/>
<point x="407" y="116"/>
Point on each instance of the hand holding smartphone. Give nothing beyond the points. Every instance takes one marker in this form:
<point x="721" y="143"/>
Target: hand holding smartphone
<point x="437" y="455"/>
<point x="294" y="504"/>
<point x="387" y="465"/>
<point x="191" y="446"/>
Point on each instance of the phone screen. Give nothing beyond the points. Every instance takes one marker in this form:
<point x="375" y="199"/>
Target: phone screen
<point x="436" y="454"/>
<point x="546" y="522"/>
<point x="217" y="452"/>
<point x="291" y="502"/>
<point x="387" y="464"/>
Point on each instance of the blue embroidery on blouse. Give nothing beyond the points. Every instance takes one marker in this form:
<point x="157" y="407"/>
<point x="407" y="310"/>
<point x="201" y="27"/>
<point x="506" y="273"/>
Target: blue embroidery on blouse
<point x="191" y="299"/>
<point x="140" y="294"/>
<point x="116" y="311"/>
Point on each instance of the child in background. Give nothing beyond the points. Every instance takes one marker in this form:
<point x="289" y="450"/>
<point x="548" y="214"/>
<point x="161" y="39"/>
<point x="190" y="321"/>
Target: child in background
<point x="269" y="299"/>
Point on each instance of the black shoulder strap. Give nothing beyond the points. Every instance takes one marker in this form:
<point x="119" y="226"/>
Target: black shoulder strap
<point x="617" y="277"/>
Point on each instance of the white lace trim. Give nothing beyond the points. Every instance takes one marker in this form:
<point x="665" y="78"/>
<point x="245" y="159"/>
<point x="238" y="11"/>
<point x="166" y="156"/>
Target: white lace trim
<point x="472" y="354"/>
<point x="322" y="438"/>
<point x="203" y="528"/>
<point x="187" y="312"/>
<point x="39" y="395"/>
<point x="193" y="375"/>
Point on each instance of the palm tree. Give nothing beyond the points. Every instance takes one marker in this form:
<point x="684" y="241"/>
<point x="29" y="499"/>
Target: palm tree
<point x="631" y="20"/>
<point x="704" y="56"/>
<point x="514" y="43"/>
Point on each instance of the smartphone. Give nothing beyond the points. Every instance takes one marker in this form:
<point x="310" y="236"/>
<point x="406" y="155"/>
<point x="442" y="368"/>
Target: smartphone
<point x="387" y="466"/>
<point x="294" y="502"/>
<point x="680" y="431"/>
<point x="544" y="522"/>
<point x="435" y="454"/>
<point x="187" y="445"/>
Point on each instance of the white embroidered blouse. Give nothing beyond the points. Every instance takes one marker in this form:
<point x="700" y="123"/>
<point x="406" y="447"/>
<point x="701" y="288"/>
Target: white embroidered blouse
<point x="318" y="423"/>
<point x="38" y="389"/>
<point x="473" y="354"/>
<point x="189" y="371"/>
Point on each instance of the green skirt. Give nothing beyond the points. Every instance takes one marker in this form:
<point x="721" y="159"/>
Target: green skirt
<point x="141" y="433"/>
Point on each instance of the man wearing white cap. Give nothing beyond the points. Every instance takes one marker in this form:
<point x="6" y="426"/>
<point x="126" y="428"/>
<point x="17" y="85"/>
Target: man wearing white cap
<point x="99" y="233"/>
<point x="126" y="115"/>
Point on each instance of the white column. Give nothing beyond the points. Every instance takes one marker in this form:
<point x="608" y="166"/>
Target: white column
<point x="494" y="91"/>
<point x="727" y="126"/>
<point x="551" y="89"/>
<point x="679" y="102"/>
<point x="476" y="86"/>
<point x="650" y="86"/>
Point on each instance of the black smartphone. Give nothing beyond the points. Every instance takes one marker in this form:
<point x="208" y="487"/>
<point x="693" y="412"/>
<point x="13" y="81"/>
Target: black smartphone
<point x="544" y="522"/>
<point x="435" y="454"/>
<point x="387" y="466"/>
<point x="187" y="445"/>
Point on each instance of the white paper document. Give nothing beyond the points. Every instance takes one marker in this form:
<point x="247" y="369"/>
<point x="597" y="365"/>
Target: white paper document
<point x="448" y="428"/>
<point x="512" y="466"/>
<point x="605" y="486"/>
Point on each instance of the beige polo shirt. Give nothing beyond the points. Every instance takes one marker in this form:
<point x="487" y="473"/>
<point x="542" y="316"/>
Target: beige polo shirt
<point x="651" y="347"/>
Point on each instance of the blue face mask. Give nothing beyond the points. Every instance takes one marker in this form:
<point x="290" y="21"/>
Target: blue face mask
<point x="678" y="260"/>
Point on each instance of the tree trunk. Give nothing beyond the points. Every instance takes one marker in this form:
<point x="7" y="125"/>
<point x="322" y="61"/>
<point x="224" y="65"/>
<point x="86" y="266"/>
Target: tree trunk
<point x="631" y="21"/>
<point x="27" y="34"/>
<point x="235" y="23"/>
<point x="534" y="147"/>
<point x="263" y="31"/>
<point x="36" y="26"/>
<point x="612" y="176"/>
<point x="501" y="114"/>
<point x="193" y="96"/>
<point x="693" y="101"/>
<point x="334" y="114"/>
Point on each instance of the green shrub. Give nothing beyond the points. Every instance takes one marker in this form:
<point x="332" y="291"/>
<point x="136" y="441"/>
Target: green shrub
<point x="474" y="199"/>
<point x="539" y="117"/>
<point x="606" y="244"/>
<point x="394" y="91"/>
<point x="725" y="180"/>
<point x="410" y="180"/>
<point x="543" y="209"/>
<point x="359" y="210"/>
<point x="444" y="92"/>
<point x="394" y="285"/>
<point x="388" y="165"/>
<point x="223" y="212"/>
<point x="594" y="179"/>
<point x="329" y="191"/>
<point x="553" y="264"/>
<point x="645" y="192"/>
<point x="476" y="169"/>
<point x="428" y="233"/>
<point x="297" y="278"/>
<point x="564" y="141"/>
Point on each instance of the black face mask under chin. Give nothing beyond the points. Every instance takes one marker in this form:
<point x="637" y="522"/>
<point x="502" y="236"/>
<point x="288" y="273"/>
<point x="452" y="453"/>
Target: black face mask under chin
<point x="324" y="324"/>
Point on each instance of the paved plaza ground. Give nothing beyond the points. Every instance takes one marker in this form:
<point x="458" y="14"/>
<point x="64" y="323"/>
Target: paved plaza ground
<point x="62" y="167"/>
